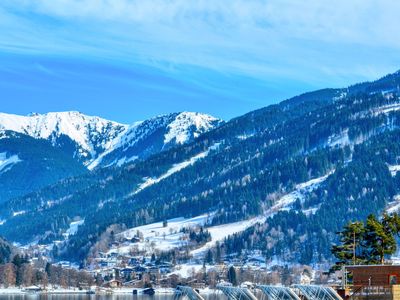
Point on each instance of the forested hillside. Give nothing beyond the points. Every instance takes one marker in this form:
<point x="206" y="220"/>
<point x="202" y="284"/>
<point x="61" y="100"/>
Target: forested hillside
<point x="28" y="164"/>
<point x="346" y="138"/>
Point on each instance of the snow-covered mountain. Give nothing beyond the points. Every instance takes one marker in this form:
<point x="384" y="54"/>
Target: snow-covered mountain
<point x="94" y="141"/>
<point x="143" y="139"/>
<point x="286" y="171"/>
<point x="85" y="137"/>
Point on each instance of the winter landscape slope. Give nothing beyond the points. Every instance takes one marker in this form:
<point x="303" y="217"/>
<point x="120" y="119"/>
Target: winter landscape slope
<point x="143" y="139"/>
<point x="343" y="138"/>
<point x="94" y="141"/>
<point x="82" y="137"/>
<point x="38" y="150"/>
<point x="28" y="164"/>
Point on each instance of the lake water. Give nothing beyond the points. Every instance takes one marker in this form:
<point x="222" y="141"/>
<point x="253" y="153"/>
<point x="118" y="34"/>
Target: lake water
<point x="100" y="297"/>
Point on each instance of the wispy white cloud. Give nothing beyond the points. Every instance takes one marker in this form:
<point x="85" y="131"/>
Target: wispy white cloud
<point x="264" y="38"/>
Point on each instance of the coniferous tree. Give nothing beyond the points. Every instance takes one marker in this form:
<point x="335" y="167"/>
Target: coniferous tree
<point x="232" y="275"/>
<point x="379" y="239"/>
<point x="350" y="251"/>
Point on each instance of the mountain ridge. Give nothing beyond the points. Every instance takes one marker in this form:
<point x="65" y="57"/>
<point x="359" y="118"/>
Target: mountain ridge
<point x="90" y="138"/>
<point x="240" y="170"/>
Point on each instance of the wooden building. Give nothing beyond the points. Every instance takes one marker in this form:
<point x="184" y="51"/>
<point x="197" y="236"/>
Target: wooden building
<point x="374" y="275"/>
<point x="113" y="284"/>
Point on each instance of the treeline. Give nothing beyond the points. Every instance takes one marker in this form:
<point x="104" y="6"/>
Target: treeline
<point x="22" y="272"/>
<point x="199" y="236"/>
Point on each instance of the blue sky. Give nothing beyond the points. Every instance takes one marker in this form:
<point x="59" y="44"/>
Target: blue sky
<point x="128" y="60"/>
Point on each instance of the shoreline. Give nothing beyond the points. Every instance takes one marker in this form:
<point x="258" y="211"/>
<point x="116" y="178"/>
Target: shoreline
<point x="120" y="291"/>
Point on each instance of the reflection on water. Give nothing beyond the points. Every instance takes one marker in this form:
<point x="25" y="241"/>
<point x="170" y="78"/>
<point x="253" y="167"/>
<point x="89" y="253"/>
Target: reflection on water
<point x="100" y="297"/>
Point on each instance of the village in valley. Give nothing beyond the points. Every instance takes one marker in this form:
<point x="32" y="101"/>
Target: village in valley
<point x="176" y="252"/>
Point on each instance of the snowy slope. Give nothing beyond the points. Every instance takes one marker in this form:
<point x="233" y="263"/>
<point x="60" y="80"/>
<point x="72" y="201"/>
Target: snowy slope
<point x="98" y="142"/>
<point x="156" y="236"/>
<point x="175" y="168"/>
<point x="91" y="135"/>
<point x="189" y="125"/>
<point x="7" y="161"/>
<point x="148" y="137"/>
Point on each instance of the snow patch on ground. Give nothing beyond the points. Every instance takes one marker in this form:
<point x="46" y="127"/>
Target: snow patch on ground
<point x="301" y="189"/>
<point x="243" y="137"/>
<point x="341" y="139"/>
<point x="311" y="210"/>
<point x="387" y="108"/>
<point x="175" y="168"/>
<point x="187" y="270"/>
<point x="17" y="213"/>
<point x="393" y="206"/>
<point x="394" y="169"/>
<point x="6" y="162"/>
<point x="73" y="228"/>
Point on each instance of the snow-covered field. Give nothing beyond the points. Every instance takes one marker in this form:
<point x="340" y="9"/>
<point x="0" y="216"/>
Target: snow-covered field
<point x="157" y="237"/>
<point x="220" y="232"/>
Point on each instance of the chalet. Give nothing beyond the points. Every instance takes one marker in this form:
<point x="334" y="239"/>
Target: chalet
<point x="114" y="283"/>
<point x="134" y="240"/>
<point x="374" y="275"/>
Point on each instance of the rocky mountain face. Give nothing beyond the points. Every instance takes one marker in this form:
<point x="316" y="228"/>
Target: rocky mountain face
<point x="80" y="136"/>
<point x="143" y="139"/>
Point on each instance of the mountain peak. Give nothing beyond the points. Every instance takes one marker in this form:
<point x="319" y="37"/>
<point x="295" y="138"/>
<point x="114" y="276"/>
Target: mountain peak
<point x="90" y="138"/>
<point x="189" y="125"/>
<point x="161" y="133"/>
<point x="90" y="134"/>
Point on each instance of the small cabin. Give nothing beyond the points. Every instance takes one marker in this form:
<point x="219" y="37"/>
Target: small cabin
<point x="374" y="275"/>
<point x="113" y="284"/>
